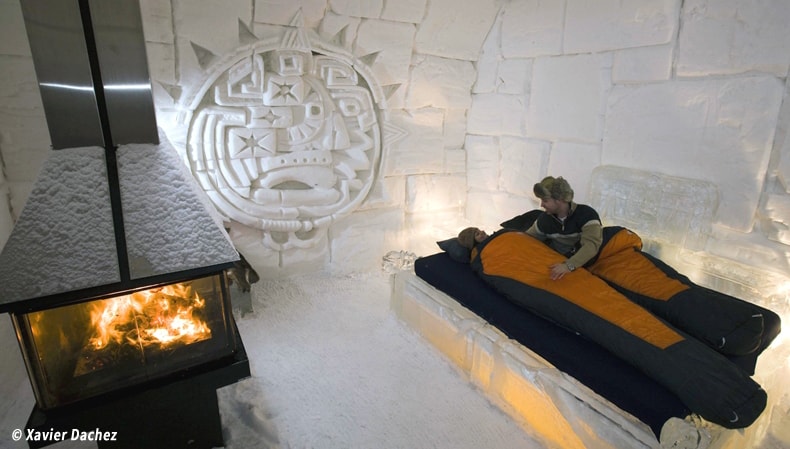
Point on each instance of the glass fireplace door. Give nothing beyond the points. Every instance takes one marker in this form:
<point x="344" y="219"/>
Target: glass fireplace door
<point x="81" y="350"/>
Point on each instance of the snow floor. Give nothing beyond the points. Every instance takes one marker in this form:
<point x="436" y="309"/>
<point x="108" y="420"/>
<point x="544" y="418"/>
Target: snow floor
<point x="332" y="367"/>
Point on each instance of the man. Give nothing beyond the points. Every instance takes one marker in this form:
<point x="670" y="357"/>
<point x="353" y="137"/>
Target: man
<point x="571" y="229"/>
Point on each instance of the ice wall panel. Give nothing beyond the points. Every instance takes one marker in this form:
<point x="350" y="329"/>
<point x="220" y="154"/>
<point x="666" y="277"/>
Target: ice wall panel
<point x="430" y="227"/>
<point x="279" y="12"/>
<point x="157" y="21"/>
<point x="522" y="162"/>
<point x="454" y="127"/>
<point x="300" y="260"/>
<point x="404" y="10"/>
<point x="204" y="31"/>
<point x="19" y="89"/>
<point x="672" y="209"/>
<point x="574" y="162"/>
<point x="385" y="193"/>
<point x="486" y="81"/>
<point x="488" y="61"/>
<point x="420" y="150"/>
<point x="533" y="28"/>
<point x="717" y="130"/>
<point x="250" y="240"/>
<point x="440" y="83"/>
<point x="24" y="136"/>
<point x="435" y="192"/>
<point x="514" y="76"/>
<point x="212" y="25"/>
<point x="359" y="240"/>
<point x="389" y="44"/>
<point x="645" y="64"/>
<point x="734" y="36"/>
<point x="486" y="210"/>
<point x="498" y="114"/>
<point x="455" y="161"/>
<point x="455" y="29"/>
<point x="13" y="37"/>
<point x="482" y="162"/>
<point x="161" y="65"/>
<point x="341" y="30"/>
<point x="355" y="8"/>
<point x="614" y="24"/>
<point x="567" y="97"/>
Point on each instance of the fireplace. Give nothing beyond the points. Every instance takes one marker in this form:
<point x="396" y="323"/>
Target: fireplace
<point x="135" y="369"/>
<point x="131" y="370"/>
<point x="83" y="350"/>
<point x="115" y="274"/>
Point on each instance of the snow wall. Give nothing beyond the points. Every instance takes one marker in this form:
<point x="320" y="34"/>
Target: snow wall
<point x="435" y="115"/>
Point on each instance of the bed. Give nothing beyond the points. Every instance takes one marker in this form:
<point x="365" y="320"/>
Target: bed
<point x="566" y="389"/>
<point x="560" y="384"/>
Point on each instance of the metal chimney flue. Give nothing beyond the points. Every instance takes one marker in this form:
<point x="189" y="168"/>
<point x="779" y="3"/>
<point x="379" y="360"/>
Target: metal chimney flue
<point x="92" y="70"/>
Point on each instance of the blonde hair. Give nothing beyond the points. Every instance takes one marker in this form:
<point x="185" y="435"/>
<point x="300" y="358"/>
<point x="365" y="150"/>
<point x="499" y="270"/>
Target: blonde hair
<point x="556" y="188"/>
<point x="467" y="238"/>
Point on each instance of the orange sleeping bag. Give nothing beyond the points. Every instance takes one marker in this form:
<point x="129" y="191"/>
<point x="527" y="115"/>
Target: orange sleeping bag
<point x="517" y="266"/>
<point x="730" y="325"/>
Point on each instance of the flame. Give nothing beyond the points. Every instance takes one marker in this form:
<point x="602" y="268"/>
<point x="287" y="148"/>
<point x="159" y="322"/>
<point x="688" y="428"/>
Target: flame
<point x="159" y="316"/>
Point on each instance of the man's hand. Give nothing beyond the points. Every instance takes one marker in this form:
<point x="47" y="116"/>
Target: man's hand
<point x="558" y="271"/>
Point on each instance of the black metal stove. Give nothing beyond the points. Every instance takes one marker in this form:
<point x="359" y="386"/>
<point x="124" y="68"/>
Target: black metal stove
<point x="115" y="273"/>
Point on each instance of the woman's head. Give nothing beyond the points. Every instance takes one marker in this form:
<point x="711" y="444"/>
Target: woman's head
<point x="553" y="188"/>
<point x="471" y="236"/>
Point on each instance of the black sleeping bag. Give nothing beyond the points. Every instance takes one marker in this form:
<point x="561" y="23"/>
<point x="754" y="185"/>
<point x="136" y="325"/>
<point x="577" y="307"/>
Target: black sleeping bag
<point x="729" y="325"/>
<point x="734" y="327"/>
<point x="517" y="266"/>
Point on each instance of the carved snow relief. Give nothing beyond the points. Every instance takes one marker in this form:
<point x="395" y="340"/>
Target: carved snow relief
<point x="285" y="140"/>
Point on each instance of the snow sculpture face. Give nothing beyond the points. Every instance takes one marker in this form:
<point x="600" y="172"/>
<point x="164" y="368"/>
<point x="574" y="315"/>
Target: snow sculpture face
<point x="285" y="141"/>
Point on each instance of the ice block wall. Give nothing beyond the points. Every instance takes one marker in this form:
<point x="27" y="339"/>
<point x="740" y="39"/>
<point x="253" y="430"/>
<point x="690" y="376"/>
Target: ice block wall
<point x="467" y="110"/>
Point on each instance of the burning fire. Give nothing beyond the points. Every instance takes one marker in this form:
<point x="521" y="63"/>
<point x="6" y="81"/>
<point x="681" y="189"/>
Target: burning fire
<point x="159" y="316"/>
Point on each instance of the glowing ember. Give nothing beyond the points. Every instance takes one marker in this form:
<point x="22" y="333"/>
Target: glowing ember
<point x="160" y="316"/>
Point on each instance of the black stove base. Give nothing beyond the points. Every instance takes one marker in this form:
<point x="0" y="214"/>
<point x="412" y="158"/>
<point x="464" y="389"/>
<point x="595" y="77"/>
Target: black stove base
<point x="173" y="414"/>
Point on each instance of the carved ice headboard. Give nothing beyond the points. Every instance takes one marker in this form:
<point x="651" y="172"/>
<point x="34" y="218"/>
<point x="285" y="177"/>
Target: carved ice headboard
<point x="674" y="210"/>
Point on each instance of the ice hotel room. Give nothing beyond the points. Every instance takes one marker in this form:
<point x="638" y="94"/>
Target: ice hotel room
<point x="295" y="163"/>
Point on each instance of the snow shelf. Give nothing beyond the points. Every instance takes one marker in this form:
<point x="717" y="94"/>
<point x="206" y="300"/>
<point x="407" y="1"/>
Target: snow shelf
<point x="551" y="405"/>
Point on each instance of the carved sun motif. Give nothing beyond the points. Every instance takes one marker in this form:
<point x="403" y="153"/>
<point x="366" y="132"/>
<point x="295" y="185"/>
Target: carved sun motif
<point x="285" y="140"/>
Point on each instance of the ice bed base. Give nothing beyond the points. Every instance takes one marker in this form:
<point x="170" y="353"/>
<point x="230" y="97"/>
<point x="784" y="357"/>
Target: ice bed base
<point x="548" y="403"/>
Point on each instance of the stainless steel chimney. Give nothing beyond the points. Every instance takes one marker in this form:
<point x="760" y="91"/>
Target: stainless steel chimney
<point x="91" y="65"/>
